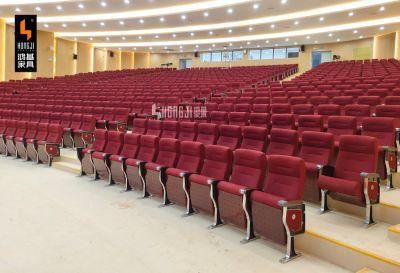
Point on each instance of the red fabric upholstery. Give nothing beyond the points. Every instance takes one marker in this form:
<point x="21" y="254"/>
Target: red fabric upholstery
<point x="139" y="126"/>
<point x="283" y="121"/>
<point x="259" y="120"/>
<point x="170" y="129"/>
<point x="238" y="118"/>
<point x="254" y="138"/>
<point x="342" y="125"/>
<point x="190" y="158"/>
<point x="229" y="136"/>
<point x="316" y="148"/>
<point x="219" y="117"/>
<point x="148" y="150"/>
<point x="167" y="154"/>
<point x="187" y="131"/>
<point x="207" y="133"/>
<point x="310" y="123"/>
<point x="381" y="128"/>
<point x="282" y="142"/>
<point x="153" y="127"/>
<point x="130" y="148"/>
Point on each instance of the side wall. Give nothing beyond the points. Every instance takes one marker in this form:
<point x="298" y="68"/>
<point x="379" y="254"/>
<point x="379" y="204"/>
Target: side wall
<point x="65" y="64"/>
<point x="384" y="46"/>
<point x="85" y="58"/>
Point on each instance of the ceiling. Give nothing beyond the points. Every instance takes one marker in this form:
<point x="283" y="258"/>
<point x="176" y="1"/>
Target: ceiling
<point x="201" y="25"/>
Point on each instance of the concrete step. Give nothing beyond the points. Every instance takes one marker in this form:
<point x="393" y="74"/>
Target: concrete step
<point x="342" y="239"/>
<point x="367" y="270"/>
<point x="394" y="233"/>
<point x="67" y="167"/>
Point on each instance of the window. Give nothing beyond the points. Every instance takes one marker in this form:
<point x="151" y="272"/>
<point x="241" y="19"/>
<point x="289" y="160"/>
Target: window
<point x="237" y="55"/>
<point x="293" y="52"/>
<point x="279" y="53"/>
<point x="216" y="56"/>
<point x="254" y="54"/>
<point x="227" y="56"/>
<point x="206" y="57"/>
<point x="267" y="54"/>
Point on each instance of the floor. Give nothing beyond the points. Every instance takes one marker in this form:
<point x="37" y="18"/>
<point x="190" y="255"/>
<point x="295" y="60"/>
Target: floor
<point x="53" y="221"/>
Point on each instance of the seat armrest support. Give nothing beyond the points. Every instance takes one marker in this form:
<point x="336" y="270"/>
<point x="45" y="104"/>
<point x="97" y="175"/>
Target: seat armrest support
<point x="371" y="190"/>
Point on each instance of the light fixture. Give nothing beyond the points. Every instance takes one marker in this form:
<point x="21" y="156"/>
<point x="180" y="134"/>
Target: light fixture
<point x="107" y="38"/>
<point x="123" y="38"/>
<point x="382" y="28"/>
<point x="150" y="48"/>
<point x="102" y="24"/>
<point x="140" y="37"/>
<point x="157" y="36"/>
<point x="84" y="24"/>
<point x="321" y="19"/>
<point x="210" y="32"/>
<point x="91" y="38"/>
<point x="296" y="22"/>
<point x="315" y="42"/>
<point x="308" y="37"/>
<point x="121" y="23"/>
<point x="174" y="35"/>
<point x="287" y="40"/>
<point x="59" y="7"/>
<point x="103" y="4"/>
<point x="141" y="21"/>
<point x="361" y="37"/>
<point x="250" y="28"/>
<point x="162" y="19"/>
<point x="351" y="13"/>
<point x="230" y="10"/>
<point x="382" y="8"/>
<point x="183" y="17"/>
<point x="191" y="34"/>
<point x="81" y="6"/>
<point x="330" y="34"/>
<point x="230" y="30"/>
<point x="256" y="6"/>
<point x="180" y="47"/>
<point x="46" y="25"/>
<point x="213" y="45"/>
<point x="249" y="43"/>
<point x="258" y="46"/>
<point x="296" y="43"/>
<point x="197" y="46"/>
<point x="38" y="9"/>
<point x="337" y="40"/>
<point x="127" y="2"/>
<point x="205" y="14"/>
<point x="64" y="25"/>
<point x="283" y="1"/>
<point x="230" y="44"/>
<point x="17" y="9"/>
<point x="355" y="31"/>
<point x="272" y="26"/>
<point x="267" y="42"/>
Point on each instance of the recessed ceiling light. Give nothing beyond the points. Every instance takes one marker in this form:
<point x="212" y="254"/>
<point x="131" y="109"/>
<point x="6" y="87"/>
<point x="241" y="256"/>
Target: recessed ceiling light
<point x="38" y="9"/>
<point x="81" y="6"/>
<point x="183" y="17"/>
<point x="91" y="38"/>
<point x="84" y="24"/>
<point x="140" y="37"/>
<point x="121" y="23"/>
<point x="230" y="44"/>
<point x="210" y="32"/>
<point x="337" y="40"/>
<point x="361" y="37"/>
<point x="308" y="37"/>
<point x="64" y="25"/>
<point x="191" y="34"/>
<point x="230" y="30"/>
<point x="107" y="38"/>
<point x="103" y="4"/>
<point x="287" y="40"/>
<point x="256" y="6"/>
<point x="276" y="44"/>
<point x="150" y="48"/>
<point x="283" y="1"/>
<point x="17" y="10"/>
<point x="59" y="7"/>
<point x="230" y="10"/>
<point x="321" y="19"/>
<point x="241" y="47"/>
<point x="316" y="42"/>
<point x="123" y="38"/>
<point x="157" y="36"/>
<point x="330" y="34"/>
<point x="267" y="42"/>
<point x="134" y="48"/>
<point x="272" y="26"/>
<point x="102" y="24"/>
<point x="351" y="13"/>
<point x="382" y="8"/>
<point x="46" y="25"/>
<point x="127" y="2"/>
<point x="180" y="47"/>
<point x="205" y="14"/>
<point x="382" y="28"/>
<point x="197" y="46"/>
<point x="296" y="22"/>
<point x="258" y="45"/>
<point x="355" y="31"/>
<point x="165" y="47"/>
<point x="141" y="21"/>
<point x="250" y="28"/>
<point x="248" y="43"/>
<point x="162" y="19"/>
<point x="296" y="43"/>
<point x="75" y="39"/>
<point x="213" y="45"/>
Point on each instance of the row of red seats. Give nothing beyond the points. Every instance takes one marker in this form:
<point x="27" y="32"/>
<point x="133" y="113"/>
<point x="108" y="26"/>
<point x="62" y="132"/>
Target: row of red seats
<point x="38" y="142"/>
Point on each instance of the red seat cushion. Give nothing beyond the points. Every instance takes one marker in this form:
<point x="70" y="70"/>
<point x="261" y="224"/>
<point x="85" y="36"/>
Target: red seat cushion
<point x="199" y="179"/>
<point x="349" y="187"/>
<point x="152" y="166"/>
<point x="174" y="172"/>
<point x="230" y="187"/>
<point x="98" y="155"/>
<point x="266" y="198"/>
<point x="132" y="162"/>
<point x="116" y="158"/>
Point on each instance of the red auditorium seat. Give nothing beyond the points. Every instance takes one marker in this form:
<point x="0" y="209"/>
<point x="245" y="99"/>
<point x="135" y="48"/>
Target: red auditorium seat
<point x="153" y="128"/>
<point x="243" y="107"/>
<point x="120" y="120"/>
<point x="383" y="130"/>
<point x="32" y="143"/>
<point x="318" y="100"/>
<point x="317" y="151"/>
<point x="20" y="142"/>
<point x="55" y="118"/>
<point x="68" y="137"/>
<point x="327" y="110"/>
<point x="155" y="176"/>
<point x="360" y="112"/>
<point x="261" y="108"/>
<point x="225" y="107"/>
<point x="101" y="159"/>
<point x="170" y="129"/>
<point x="280" y="108"/>
<point x="177" y="182"/>
<point x="50" y="148"/>
<point x="117" y="161"/>
<point x="282" y="142"/>
<point x="341" y="125"/>
<point x="254" y="138"/>
<point x="21" y="127"/>
<point x="248" y="173"/>
<point x="207" y="133"/>
<point x="229" y="136"/>
<point x="353" y="179"/>
<point x="11" y="127"/>
<point x="85" y="154"/>
<point x="310" y="123"/>
<point x="392" y="100"/>
<point x="135" y="170"/>
<point x="219" y="117"/>
<point x="260" y="120"/>
<point x="139" y="126"/>
<point x="238" y="118"/>
<point x="277" y="212"/>
<point x="283" y="121"/>
<point x="84" y="136"/>
<point x="187" y="131"/>
<point x="298" y="100"/>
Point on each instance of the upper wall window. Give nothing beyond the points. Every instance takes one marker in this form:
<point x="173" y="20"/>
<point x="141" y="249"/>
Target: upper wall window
<point x="206" y="57"/>
<point x="227" y="56"/>
<point x="279" y="53"/>
<point x="267" y="54"/>
<point x="293" y="52"/>
<point x="254" y="54"/>
<point x="237" y="55"/>
<point x="216" y="56"/>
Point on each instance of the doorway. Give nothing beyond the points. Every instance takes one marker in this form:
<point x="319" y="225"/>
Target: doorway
<point x="319" y="57"/>
<point x="185" y="63"/>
